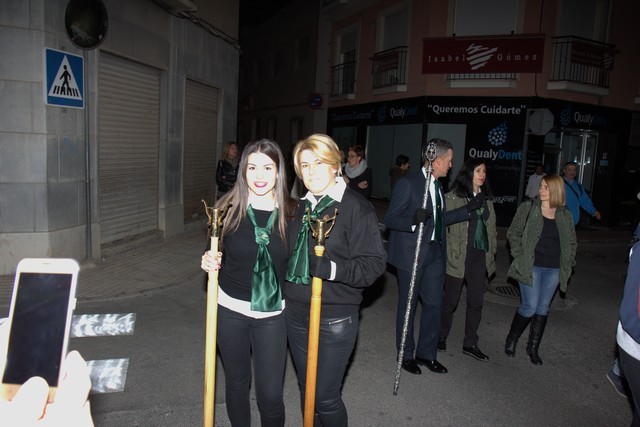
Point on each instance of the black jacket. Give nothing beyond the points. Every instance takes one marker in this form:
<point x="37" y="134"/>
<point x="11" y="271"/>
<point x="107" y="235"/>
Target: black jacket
<point x="405" y="199"/>
<point x="355" y="245"/>
<point x="225" y="176"/>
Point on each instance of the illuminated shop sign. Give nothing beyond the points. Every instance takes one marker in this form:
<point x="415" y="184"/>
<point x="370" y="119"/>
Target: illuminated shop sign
<point x="492" y="54"/>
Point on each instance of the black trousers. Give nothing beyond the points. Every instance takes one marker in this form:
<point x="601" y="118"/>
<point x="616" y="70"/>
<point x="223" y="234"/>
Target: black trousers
<point x="337" y="341"/>
<point x="428" y="288"/>
<point x="631" y="370"/>
<point x="474" y="275"/>
<point x="239" y="337"/>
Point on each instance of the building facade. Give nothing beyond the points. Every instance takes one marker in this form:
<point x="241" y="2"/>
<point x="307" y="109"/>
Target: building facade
<point x="103" y="146"/>
<point x="514" y="81"/>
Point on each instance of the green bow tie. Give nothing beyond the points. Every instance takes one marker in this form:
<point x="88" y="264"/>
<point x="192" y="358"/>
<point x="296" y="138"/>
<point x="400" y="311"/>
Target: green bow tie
<point x="298" y="269"/>
<point x="266" y="294"/>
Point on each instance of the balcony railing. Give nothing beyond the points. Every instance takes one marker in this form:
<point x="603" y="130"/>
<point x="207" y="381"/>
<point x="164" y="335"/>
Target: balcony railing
<point x="582" y="61"/>
<point x="481" y="76"/>
<point x="389" y="67"/>
<point x="343" y="79"/>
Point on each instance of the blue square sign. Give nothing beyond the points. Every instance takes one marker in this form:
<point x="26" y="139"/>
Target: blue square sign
<point x="64" y="74"/>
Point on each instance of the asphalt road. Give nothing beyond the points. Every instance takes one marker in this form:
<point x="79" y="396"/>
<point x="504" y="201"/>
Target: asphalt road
<point x="164" y="384"/>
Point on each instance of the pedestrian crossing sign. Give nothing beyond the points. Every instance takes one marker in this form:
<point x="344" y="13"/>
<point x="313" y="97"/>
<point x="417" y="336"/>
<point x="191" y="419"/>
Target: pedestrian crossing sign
<point x="64" y="74"/>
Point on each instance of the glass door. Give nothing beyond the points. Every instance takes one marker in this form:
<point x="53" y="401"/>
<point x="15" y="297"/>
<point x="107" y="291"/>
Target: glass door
<point x="580" y="146"/>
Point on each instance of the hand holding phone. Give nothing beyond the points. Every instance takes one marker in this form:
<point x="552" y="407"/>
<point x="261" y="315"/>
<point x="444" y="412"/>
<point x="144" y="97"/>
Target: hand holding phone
<point x="47" y="285"/>
<point x="39" y="320"/>
<point x="29" y="405"/>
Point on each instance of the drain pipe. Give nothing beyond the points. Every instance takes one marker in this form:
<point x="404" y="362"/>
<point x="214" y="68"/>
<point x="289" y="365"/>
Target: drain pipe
<point x="87" y="160"/>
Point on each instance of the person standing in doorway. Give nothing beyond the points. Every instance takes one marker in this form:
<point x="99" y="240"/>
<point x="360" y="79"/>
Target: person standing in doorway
<point x="471" y="255"/>
<point x="227" y="170"/>
<point x="400" y="169"/>
<point x="577" y="197"/>
<point x="534" y="182"/>
<point x="403" y="217"/>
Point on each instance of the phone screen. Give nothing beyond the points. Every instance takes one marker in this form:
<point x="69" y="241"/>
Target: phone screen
<point x="38" y="327"/>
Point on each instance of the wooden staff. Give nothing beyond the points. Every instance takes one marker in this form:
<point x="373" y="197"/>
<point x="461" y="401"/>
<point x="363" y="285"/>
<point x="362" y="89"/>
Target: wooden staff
<point x="320" y="233"/>
<point x="430" y="155"/>
<point x="215" y="223"/>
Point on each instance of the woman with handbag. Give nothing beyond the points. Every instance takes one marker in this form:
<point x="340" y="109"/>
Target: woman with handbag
<point x="471" y="255"/>
<point x="542" y="241"/>
<point x="252" y="265"/>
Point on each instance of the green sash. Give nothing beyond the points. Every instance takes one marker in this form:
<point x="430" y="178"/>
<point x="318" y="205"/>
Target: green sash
<point x="481" y="238"/>
<point x="437" y="236"/>
<point x="298" y="269"/>
<point x="265" y="291"/>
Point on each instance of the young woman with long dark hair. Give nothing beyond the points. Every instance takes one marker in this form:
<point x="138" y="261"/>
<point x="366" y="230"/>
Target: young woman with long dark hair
<point x="252" y="262"/>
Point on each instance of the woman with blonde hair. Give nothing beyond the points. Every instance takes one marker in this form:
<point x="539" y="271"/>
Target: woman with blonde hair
<point x="542" y="241"/>
<point x="354" y="258"/>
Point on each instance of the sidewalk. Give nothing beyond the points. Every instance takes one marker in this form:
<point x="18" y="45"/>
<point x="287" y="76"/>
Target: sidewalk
<point x="148" y="266"/>
<point x="159" y="264"/>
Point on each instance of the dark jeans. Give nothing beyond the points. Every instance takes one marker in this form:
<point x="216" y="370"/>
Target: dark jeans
<point x="631" y="369"/>
<point x="337" y="341"/>
<point x="239" y="337"/>
<point x="474" y="275"/>
<point x="429" y="288"/>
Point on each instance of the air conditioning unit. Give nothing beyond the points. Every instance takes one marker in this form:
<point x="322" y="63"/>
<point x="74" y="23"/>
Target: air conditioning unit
<point x="180" y="5"/>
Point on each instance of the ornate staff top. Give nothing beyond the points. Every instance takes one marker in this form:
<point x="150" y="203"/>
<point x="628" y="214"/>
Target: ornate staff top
<point x="430" y="154"/>
<point x="319" y="231"/>
<point x="215" y="218"/>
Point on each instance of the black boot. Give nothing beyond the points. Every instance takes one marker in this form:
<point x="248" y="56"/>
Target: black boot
<point x="518" y="325"/>
<point x="535" y="336"/>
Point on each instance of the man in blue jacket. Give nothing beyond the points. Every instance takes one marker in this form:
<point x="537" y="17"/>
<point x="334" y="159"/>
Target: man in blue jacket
<point x="577" y="197"/>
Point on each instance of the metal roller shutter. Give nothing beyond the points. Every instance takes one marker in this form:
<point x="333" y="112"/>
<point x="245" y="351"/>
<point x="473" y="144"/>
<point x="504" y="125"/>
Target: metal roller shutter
<point x="200" y="139"/>
<point x="128" y="145"/>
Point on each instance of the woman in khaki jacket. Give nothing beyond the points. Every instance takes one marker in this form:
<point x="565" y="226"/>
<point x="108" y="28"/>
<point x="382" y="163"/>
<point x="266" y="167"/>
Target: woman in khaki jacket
<point x="542" y="241"/>
<point x="471" y="250"/>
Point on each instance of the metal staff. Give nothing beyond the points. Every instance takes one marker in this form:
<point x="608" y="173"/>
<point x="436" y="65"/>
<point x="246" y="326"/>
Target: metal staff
<point x="319" y="232"/>
<point x="430" y="155"/>
<point x="215" y="223"/>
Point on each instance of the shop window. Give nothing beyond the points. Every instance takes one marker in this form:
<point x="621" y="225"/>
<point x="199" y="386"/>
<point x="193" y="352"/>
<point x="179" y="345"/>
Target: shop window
<point x="276" y="64"/>
<point x="296" y="130"/>
<point x="272" y="128"/>
<point x="302" y="52"/>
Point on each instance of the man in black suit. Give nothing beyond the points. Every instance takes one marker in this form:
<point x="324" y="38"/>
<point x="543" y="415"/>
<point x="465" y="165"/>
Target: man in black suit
<point x="403" y="216"/>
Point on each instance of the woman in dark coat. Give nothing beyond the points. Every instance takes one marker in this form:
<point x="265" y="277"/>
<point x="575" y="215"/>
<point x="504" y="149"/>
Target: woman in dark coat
<point x="357" y="174"/>
<point x="542" y="241"/>
<point x="227" y="170"/>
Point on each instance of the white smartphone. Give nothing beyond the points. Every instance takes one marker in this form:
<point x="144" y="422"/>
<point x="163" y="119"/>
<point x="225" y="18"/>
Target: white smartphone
<point x="44" y="297"/>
